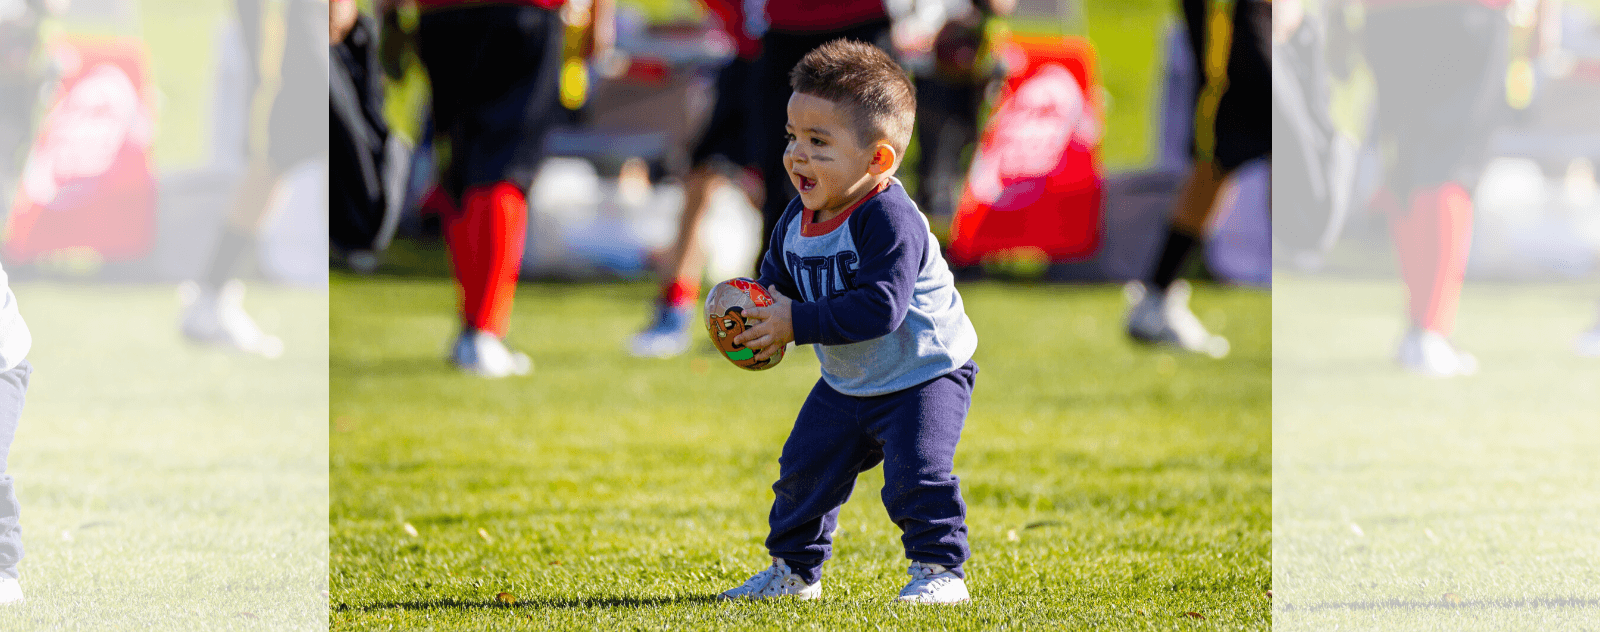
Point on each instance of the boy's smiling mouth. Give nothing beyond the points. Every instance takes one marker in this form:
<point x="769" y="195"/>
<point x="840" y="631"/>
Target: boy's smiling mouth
<point x="806" y="184"/>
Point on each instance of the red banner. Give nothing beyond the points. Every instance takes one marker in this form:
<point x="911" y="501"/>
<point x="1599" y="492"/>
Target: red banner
<point x="1034" y="188"/>
<point x="87" y="184"/>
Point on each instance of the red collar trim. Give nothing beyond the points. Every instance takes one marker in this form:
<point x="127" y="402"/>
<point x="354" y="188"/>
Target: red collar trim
<point x="809" y="227"/>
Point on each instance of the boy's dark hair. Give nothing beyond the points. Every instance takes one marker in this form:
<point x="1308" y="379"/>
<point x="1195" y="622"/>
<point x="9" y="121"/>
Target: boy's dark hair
<point x="872" y="90"/>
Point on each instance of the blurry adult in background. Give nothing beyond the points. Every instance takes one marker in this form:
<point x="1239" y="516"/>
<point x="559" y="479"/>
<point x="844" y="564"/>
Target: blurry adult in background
<point x="723" y="155"/>
<point x="495" y="71"/>
<point x="1440" y="70"/>
<point x="1232" y="127"/>
<point x="1588" y="344"/>
<point x="950" y="96"/>
<point x="22" y="79"/>
<point x="367" y="164"/>
<point x="297" y="131"/>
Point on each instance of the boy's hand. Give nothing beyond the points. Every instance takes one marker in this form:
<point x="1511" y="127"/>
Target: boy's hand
<point x="776" y="328"/>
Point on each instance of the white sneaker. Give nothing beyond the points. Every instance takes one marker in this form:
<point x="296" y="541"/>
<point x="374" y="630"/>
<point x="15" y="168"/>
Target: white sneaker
<point x="10" y="591"/>
<point x="218" y="317"/>
<point x="774" y="581"/>
<point x="1428" y="353"/>
<point x="484" y="354"/>
<point x="931" y="583"/>
<point x="1588" y="344"/>
<point x="1165" y="319"/>
<point x="667" y="336"/>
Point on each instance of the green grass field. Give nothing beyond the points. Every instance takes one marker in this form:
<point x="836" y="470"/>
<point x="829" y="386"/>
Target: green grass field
<point x="1403" y="503"/>
<point x="1108" y="485"/>
<point x="165" y="486"/>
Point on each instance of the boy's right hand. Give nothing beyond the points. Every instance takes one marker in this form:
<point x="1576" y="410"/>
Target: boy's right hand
<point x="776" y="329"/>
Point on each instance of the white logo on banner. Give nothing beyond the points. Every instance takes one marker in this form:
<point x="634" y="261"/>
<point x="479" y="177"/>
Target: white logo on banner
<point x="1035" y="126"/>
<point x="85" y="132"/>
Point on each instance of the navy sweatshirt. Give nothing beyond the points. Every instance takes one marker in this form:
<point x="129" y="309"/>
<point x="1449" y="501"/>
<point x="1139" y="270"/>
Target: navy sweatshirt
<point x="872" y="293"/>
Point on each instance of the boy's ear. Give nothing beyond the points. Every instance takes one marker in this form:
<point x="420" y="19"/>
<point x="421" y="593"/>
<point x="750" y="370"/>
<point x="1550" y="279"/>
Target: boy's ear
<point x="883" y="159"/>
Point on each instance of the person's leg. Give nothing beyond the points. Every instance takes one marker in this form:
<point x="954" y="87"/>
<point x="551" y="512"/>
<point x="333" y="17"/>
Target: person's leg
<point x="1588" y="343"/>
<point x="297" y="131"/>
<point x="213" y="303"/>
<point x="1435" y="104"/>
<point x="495" y="72"/>
<point x="1192" y="209"/>
<point x="1232" y="127"/>
<point x="13" y="389"/>
<point x="919" y="429"/>
<point x="1432" y="239"/>
<point x="486" y="248"/>
<point x="817" y="471"/>
<point x="680" y="271"/>
<point x="1160" y="311"/>
<point x="723" y="144"/>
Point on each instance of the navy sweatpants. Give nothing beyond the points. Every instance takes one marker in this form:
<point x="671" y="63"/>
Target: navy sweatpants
<point x="13" y="386"/>
<point x="836" y="437"/>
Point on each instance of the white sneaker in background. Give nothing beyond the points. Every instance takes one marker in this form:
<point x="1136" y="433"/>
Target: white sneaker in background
<point x="1164" y="319"/>
<point x="484" y="354"/>
<point x="217" y="317"/>
<point x="1588" y="343"/>
<point x="933" y="584"/>
<point x="10" y="591"/>
<point x="667" y="336"/>
<point x="1429" y="353"/>
<point x="774" y="581"/>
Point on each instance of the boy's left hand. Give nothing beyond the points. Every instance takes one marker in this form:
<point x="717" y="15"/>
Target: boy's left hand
<point x="776" y="328"/>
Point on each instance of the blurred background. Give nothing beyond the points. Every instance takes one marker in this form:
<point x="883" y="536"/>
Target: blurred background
<point x="170" y="474"/>
<point x="607" y="202"/>
<point x="1436" y="316"/>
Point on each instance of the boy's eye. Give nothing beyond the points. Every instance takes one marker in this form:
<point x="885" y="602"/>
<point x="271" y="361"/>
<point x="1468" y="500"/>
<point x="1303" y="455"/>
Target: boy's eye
<point x="787" y="137"/>
<point x="817" y="142"/>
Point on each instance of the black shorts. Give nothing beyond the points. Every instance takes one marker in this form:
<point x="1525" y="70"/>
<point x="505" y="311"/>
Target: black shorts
<point x="297" y="129"/>
<point x="1238" y="123"/>
<point x="1439" y="98"/>
<point x="729" y="133"/>
<point x="495" y="73"/>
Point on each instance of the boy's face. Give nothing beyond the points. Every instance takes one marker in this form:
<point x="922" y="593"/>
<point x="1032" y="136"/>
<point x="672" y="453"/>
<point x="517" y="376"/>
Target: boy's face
<point x="826" y="162"/>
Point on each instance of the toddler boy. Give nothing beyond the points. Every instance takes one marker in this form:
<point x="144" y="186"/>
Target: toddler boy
<point x="871" y="290"/>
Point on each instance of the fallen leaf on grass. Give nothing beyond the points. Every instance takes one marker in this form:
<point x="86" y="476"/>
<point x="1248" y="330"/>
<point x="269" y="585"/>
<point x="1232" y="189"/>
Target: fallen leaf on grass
<point x="556" y="563"/>
<point x="1195" y="615"/>
<point x="1452" y="599"/>
<point x="410" y="530"/>
<point x="1269" y="594"/>
<point x="506" y="598"/>
<point x="482" y="533"/>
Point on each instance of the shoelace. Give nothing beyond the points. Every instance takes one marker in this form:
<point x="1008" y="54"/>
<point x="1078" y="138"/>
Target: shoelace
<point x="924" y="579"/>
<point x="762" y="581"/>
